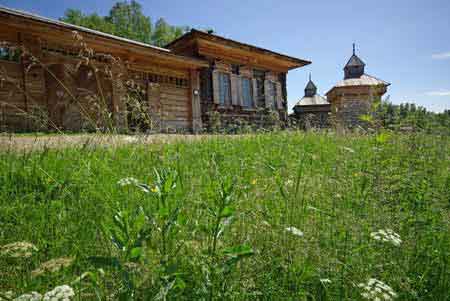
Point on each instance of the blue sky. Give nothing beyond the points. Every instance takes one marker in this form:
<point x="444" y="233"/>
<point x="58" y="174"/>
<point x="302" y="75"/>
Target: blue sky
<point x="405" y="42"/>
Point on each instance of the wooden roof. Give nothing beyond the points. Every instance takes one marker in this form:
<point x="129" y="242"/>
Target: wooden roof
<point x="312" y="101"/>
<point x="364" y="80"/>
<point x="7" y="15"/>
<point x="288" y="61"/>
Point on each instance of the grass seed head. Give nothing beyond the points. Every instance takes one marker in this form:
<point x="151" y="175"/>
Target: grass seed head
<point x="18" y="250"/>
<point x="33" y="296"/>
<point x="53" y="265"/>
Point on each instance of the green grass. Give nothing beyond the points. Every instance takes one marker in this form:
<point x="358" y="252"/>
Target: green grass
<point x="213" y="224"/>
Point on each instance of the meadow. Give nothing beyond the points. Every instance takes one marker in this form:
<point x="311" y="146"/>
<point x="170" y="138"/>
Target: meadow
<point x="274" y="216"/>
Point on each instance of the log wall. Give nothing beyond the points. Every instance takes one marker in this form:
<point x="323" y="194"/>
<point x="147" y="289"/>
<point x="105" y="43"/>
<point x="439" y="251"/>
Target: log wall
<point x="59" y="93"/>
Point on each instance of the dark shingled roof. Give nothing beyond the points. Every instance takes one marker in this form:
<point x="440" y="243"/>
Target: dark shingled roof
<point x="354" y="61"/>
<point x="310" y="86"/>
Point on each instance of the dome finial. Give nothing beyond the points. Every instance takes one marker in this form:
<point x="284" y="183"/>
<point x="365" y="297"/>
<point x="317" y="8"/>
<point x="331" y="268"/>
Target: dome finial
<point x="310" y="76"/>
<point x="354" y="49"/>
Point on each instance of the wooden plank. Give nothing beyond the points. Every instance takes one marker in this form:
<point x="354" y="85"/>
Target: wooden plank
<point x="279" y="96"/>
<point x="195" y="101"/>
<point x="255" y="92"/>
<point x="215" y="79"/>
<point x="267" y="93"/>
<point x="234" y="79"/>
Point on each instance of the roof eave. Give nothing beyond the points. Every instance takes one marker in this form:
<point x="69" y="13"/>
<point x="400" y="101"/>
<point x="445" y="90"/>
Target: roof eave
<point x="381" y="84"/>
<point x="159" y="50"/>
<point x="194" y="33"/>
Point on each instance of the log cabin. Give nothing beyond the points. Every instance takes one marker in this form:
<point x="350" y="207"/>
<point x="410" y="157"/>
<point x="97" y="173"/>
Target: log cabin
<point x="70" y="75"/>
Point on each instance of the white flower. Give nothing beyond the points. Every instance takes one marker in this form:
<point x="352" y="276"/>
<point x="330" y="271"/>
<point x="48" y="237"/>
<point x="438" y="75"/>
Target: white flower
<point x="128" y="181"/>
<point x="387" y="235"/>
<point x="325" y="280"/>
<point x="33" y="296"/>
<point x="289" y="182"/>
<point x="18" y="249"/>
<point x="59" y="293"/>
<point x="377" y="290"/>
<point x="294" y="231"/>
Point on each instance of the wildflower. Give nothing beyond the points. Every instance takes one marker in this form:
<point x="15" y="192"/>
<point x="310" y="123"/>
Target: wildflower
<point x="155" y="189"/>
<point x="387" y="236"/>
<point x="253" y="182"/>
<point x="325" y="280"/>
<point x="377" y="290"/>
<point x="53" y="265"/>
<point x="289" y="182"/>
<point x="294" y="231"/>
<point x="63" y="293"/>
<point x="18" y="249"/>
<point x="128" y="181"/>
<point x="33" y="296"/>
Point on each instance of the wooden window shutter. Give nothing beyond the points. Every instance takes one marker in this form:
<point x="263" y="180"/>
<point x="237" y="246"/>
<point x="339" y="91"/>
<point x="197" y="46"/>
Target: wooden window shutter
<point x="234" y="90"/>
<point x="268" y="94"/>
<point x="279" y="96"/>
<point x="216" y="87"/>
<point x="255" y="92"/>
<point x="240" y="94"/>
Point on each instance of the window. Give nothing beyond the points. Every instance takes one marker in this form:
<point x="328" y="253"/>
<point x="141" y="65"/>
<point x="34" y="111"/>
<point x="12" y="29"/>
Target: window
<point x="260" y="76"/>
<point x="224" y="89"/>
<point x="235" y="69"/>
<point x="273" y="94"/>
<point x="247" y="94"/>
<point x="206" y="84"/>
<point x="9" y="54"/>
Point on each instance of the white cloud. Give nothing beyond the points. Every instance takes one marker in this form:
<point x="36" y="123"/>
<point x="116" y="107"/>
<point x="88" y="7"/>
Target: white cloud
<point x="441" y="56"/>
<point x="438" y="93"/>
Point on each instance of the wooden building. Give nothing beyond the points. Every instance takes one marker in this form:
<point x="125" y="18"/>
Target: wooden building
<point x="354" y="95"/>
<point x="313" y="109"/>
<point x="73" y="75"/>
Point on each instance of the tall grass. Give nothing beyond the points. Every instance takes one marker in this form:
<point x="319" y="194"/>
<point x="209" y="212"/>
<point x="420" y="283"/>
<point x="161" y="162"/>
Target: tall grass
<point x="278" y="216"/>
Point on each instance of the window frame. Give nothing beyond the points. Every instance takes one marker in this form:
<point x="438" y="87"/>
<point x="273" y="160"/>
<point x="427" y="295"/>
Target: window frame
<point x="248" y="105"/>
<point x="224" y="83"/>
<point x="273" y="87"/>
<point x="260" y="77"/>
<point x="9" y="54"/>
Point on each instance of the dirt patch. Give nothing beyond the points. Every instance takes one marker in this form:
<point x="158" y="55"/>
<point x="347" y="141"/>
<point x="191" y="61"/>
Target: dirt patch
<point x="39" y="142"/>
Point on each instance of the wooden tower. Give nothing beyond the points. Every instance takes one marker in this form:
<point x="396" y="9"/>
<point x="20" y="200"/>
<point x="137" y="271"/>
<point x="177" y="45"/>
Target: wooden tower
<point x="354" y="95"/>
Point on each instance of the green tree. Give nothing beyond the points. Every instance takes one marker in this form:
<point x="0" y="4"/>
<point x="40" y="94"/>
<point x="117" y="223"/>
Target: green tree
<point x="130" y="22"/>
<point x="93" y="21"/>
<point x="126" y="19"/>
<point x="165" y="33"/>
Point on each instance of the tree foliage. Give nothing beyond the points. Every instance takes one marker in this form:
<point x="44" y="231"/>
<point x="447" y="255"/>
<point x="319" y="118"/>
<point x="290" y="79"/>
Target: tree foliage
<point x="126" y="19"/>
<point x="409" y="116"/>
